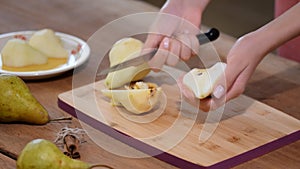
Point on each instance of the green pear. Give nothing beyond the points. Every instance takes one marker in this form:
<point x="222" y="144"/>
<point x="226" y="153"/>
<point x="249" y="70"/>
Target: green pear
<point x="47" y="42"/>
<point x="122" y="50"/>
<point x="18" y="53"/>
<point x="202" y="81"/>
<point x="138" y="99"/>
<point x="17" y="104"/>
<point x="43" y="154"/>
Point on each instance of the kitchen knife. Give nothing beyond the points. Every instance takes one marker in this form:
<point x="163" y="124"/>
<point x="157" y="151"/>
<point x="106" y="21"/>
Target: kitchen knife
<point x="209" y="36"/>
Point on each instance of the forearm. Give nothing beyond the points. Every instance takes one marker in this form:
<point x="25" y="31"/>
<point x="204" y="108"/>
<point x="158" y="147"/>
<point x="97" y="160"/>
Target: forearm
<point x="190" y="10"/>
<point x="279" y="31"/>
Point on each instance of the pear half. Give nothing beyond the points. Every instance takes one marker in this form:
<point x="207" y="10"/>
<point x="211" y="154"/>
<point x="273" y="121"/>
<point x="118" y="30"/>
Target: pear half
<point x="121" y="51"/>
<point x="138" y="98"/>
<point x="18" y="53"/>
<point x="202" y="81"/>
<point x="47" y="42"/>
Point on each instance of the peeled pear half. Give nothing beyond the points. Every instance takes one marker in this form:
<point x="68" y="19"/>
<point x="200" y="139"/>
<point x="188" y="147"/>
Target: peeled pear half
<point x="138" y="98"/>
<point x="121" y="51"/>
<point x="18" y="53"/>
<point x="47" y="42"/>
<point x="202" y="81"/>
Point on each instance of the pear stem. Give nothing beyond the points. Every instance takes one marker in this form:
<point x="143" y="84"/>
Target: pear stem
<point x="61" y="119"/>
<point x="100" y="165"/>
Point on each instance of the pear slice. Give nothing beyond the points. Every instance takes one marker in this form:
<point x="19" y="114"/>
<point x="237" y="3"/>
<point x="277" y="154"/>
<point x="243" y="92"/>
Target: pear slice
<point x="47" y="42"/>
<point x="18" y="53"/>
<point x="202" y="81"/>
<point x="138" y="98"/>
<point x="121" y="51"/>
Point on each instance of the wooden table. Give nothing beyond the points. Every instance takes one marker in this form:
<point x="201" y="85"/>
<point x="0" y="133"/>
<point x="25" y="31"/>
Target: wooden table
<point x="276" y="82"/>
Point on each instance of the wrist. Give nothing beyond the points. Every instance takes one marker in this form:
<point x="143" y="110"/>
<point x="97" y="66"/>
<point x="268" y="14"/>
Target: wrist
<point x="260" y="42"/>
<point x="250" y="47"/>
<point x="189" y="10"/>
<point x="196" y="4"/>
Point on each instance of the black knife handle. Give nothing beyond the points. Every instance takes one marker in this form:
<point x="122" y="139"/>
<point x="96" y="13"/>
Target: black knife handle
<point x="209" y="36"/>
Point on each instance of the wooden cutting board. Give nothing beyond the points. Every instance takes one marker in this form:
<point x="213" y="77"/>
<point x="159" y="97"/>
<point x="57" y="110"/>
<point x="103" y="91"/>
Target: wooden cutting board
<point x="170" y="131"/>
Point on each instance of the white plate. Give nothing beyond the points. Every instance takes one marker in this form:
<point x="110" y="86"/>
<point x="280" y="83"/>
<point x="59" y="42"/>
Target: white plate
<point x="69" y="42"/>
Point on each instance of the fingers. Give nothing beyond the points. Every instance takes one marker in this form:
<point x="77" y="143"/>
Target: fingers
<point x="187" y="93"/>
<point x="219" y="94"/>
<point x="206" y="105"/>
<point x="174" y="54"/>
<point x="239" y="85"/>
<point x="152" y="41"/>
<point x="195" y="46"/>
<point x="190" y="45"/>
<point x="186" y="51"/>
<point x="169" y="52"/>
<point x="231" y="84"/>
<point x="226" y="87"/>
<point x="158" y="60"/>
<point x="170" y="49"/>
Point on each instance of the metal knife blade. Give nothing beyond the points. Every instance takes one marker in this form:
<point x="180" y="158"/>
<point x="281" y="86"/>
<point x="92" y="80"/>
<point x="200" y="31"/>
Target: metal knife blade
<point x="132" y="62"/>
<point x="209" y="36"/>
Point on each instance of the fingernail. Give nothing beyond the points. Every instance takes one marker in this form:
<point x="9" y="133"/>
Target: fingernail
<point x="166" y="43"/>
<point x="219" y="91"/>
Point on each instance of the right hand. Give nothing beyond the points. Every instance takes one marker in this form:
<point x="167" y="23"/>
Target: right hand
<point x="173" y="32"/>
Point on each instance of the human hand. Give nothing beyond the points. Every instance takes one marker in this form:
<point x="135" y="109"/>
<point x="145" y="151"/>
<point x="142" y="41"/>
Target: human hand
<point x="174" y="32"/>
<point x="241" y="63"/>
<point x="245" y="55"/>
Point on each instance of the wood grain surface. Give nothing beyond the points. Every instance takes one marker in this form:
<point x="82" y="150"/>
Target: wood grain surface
<point x="245" y="125"/>
<point x="276" y="81"/>
<point x="6" y="162"/>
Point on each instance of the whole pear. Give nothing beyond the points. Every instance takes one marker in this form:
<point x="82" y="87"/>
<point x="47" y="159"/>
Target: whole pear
<point x="43" y="154"/>
<point x="17" y="104"/>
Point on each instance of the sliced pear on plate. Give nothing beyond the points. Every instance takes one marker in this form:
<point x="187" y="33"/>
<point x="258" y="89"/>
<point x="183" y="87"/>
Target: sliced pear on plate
<point x="18" y="53"/>
<point x="202" y="81"/>
<point x="137" y="98"/>
<point x="122" y="50"/>
<point x="47" y="42"/>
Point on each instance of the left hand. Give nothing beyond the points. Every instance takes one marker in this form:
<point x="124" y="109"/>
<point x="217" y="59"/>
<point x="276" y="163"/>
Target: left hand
<point x="246" y="54"/>
<point x="241" y="63"/>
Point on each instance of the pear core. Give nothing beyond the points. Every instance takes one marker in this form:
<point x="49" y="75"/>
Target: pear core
<point x="137" y="98"/>
<point x="202" y="81"/>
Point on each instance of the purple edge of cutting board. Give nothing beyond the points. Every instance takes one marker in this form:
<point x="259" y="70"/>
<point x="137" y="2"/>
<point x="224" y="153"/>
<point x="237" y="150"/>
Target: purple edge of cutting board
<point x="171" y="159"/>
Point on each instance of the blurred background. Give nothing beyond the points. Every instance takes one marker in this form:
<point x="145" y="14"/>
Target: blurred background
<point x="234" y="17"/>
